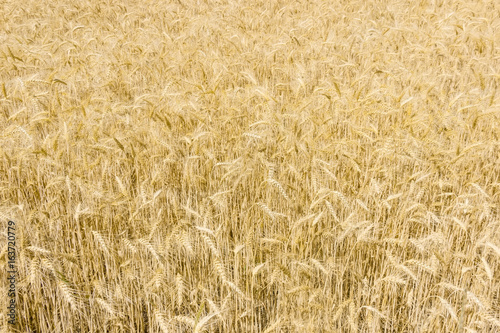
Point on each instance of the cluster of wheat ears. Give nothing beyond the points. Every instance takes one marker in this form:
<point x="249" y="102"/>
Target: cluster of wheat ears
<point x="251" y="166"/>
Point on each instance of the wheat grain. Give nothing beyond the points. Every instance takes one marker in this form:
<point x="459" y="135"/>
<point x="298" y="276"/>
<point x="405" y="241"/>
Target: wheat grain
<point x="203" y="322"/>
<point x="162" y="322"/>
<point x="68" y="293"/>
<point x="181" y="289"/>
<point x="100" y="241"/>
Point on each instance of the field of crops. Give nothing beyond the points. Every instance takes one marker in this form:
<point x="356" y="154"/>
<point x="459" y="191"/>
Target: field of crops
<point x="250" y="166"/>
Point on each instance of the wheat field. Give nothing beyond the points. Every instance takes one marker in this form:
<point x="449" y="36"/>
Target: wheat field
<point x="251" y="166"/>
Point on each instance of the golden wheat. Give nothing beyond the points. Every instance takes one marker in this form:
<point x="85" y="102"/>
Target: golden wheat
<point x="251" y="166"/>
